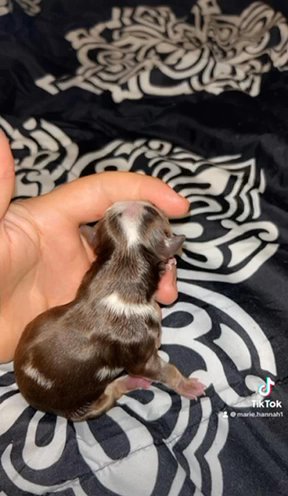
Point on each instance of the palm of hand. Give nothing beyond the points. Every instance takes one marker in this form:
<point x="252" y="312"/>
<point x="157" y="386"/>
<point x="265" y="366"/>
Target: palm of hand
<point x="46" y="258"/>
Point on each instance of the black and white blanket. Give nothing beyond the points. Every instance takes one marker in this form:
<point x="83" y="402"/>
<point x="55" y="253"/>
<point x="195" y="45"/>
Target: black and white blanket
<point x="196" y="93"/>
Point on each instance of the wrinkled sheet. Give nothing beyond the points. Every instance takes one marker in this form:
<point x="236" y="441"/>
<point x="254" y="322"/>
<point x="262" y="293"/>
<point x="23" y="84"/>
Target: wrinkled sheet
<point x="195" y="93"/>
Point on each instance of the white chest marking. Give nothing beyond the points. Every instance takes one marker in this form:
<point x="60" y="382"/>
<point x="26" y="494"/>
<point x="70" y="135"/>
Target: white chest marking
<point x="107" y="373"/>
<point x="114" y="303"/>
<point x="34" y="374"/>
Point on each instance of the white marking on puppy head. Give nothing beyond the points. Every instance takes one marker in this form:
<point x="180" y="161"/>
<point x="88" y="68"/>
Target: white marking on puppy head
<point x="37" y="376"/>
<point x="130" y="228"/>
<point x="130" y="215"/>
<point x="117" y="306"/>
<point x="106" y="373"/>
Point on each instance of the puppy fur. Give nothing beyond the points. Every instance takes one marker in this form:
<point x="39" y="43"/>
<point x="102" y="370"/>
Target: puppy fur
<point x="70" y="359"/>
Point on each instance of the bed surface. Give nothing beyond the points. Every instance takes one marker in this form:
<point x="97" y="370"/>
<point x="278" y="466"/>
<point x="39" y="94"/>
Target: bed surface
<point x="195" y="93"/>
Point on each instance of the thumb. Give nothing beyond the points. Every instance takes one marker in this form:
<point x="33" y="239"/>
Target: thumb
<point x="7" y="175"/>
<point x="167" y="291"/>
<point x="86" y="199"/>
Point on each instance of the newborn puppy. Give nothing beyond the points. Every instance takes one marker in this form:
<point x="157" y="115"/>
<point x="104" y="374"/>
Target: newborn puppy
<point x="70" y="358"/>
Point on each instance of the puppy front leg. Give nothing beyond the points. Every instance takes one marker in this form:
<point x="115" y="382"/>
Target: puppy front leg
<point x="158" y="370"/>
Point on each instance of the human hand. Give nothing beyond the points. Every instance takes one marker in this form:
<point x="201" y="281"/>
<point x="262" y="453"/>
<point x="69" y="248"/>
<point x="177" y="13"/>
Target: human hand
<point x="43" y="256"/>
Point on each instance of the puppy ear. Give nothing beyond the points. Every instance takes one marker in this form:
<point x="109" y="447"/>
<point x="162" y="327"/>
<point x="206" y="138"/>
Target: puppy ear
<point x="89" y="234"/>
<point x="171" y="245"/>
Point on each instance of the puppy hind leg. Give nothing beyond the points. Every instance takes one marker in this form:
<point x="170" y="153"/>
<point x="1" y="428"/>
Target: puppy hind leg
<point x="108" y="398"/>
<point x="158" y="370"/>
<point x="91" y="410"/>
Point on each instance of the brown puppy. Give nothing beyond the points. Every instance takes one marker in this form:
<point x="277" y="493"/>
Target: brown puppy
<point x="69" y="358"/>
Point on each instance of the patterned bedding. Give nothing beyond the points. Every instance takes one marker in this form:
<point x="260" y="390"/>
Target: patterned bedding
<point x="195" y="93"/>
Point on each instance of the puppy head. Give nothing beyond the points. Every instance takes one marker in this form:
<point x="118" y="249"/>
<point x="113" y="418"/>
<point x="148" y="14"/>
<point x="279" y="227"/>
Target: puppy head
<point x="130" y="224"/>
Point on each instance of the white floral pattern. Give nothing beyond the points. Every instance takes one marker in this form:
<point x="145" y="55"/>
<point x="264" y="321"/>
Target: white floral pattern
<point x="223" y="192"/>
<point x="30" y="7"/>
<point x="5" y="7"/>
<point x="149" y="51"/>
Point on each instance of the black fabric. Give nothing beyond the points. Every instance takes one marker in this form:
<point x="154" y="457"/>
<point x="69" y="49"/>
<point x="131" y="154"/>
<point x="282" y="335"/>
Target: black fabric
<point x="195" y="93"/>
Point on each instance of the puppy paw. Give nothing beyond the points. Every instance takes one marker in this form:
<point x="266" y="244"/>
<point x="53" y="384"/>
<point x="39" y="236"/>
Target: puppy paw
<point x="191" y="388"/>
<point x="172" y="262"/>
